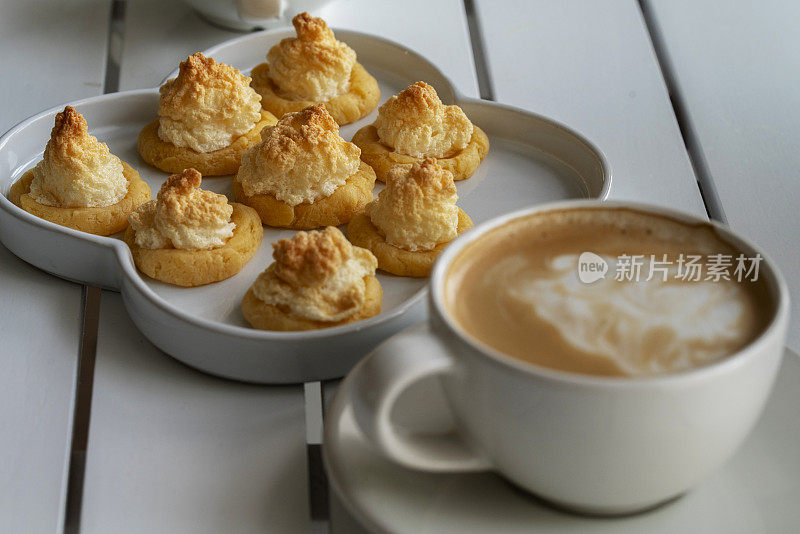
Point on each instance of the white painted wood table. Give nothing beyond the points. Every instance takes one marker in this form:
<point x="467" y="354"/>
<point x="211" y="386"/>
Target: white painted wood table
<point x="41" y="316"/>
<point x="172" y="450"/>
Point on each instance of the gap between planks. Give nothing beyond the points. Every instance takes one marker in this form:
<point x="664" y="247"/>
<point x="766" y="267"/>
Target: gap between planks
<point x="91" y="297"/>
<point x="691" y="141"/>
<point x="485" y="87"/>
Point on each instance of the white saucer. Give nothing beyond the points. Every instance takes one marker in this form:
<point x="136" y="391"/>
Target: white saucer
<point x="758" y="491"/>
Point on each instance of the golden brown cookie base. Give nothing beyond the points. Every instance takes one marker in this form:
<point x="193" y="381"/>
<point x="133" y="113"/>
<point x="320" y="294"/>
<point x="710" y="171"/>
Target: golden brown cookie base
<point x="268" y="317"/>
<point x="174" y="159"/>
<point x="190" y="268"/>
<point x="104" y="220"/>
<point x="357" y="102"/>
<point x="382" y="158"/>
<point x="338" y="208"/>
<point x="362" y="233"/>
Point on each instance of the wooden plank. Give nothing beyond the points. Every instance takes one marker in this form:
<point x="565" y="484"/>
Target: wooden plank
<point x="40" y="324"/>
<point x="157" y="36"/>
<point x="155" y="45"/>
<point x="591" y="65"/>
<point x="47" y="62"/>
<point x="442" y="36"/>
<point x="175" y="450"/>
<point x="437" y="30"/>
<point x="55" y="52"/>
<point x="195" y="453"/>
<point x="734" y="66"/>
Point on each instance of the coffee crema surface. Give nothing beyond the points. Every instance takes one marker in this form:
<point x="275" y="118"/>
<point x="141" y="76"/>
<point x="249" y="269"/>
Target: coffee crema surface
<point x="517" y="290"/>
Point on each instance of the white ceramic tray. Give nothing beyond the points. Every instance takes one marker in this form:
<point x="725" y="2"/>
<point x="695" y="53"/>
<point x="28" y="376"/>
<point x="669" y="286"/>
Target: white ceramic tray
<point x="757" y="491"/>
<point x="531" y="160"/>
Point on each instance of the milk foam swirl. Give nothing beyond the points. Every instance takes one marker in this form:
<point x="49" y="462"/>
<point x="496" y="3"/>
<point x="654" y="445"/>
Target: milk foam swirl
<point x="645" y="327"/>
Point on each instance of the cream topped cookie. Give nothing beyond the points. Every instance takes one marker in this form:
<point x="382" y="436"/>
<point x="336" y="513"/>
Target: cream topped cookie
<point x="314" y="65"/>
<point x="317" y="276"/>
<point x="207" y="106"/>
<point x="301" y="159"/>
<point x="183" y="216"/>
<point x="77" y="170"/>
<point x="416" y="123"/>
<point x="417" y="210"/>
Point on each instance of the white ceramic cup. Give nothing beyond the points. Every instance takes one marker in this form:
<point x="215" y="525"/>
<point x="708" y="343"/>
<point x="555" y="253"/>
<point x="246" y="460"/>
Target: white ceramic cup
<point x="592" y="444"/>
<point x="249" y="15"/>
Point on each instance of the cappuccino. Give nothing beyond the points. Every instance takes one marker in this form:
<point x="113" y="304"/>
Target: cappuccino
<point x="614" y="292"/>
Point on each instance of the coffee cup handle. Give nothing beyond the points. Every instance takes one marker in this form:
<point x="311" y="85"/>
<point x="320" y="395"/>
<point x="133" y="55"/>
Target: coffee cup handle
<point x="393" y="367"/>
